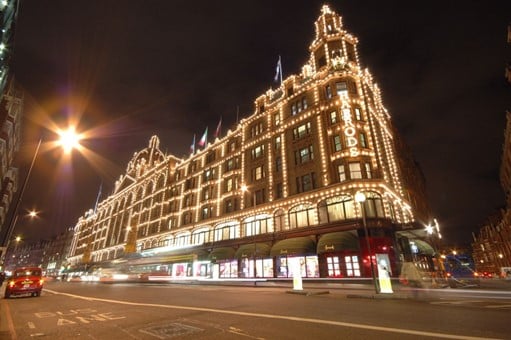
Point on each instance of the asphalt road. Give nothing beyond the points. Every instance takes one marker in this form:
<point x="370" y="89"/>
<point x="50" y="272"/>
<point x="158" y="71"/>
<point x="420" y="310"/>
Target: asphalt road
<point x="179" y="311"/>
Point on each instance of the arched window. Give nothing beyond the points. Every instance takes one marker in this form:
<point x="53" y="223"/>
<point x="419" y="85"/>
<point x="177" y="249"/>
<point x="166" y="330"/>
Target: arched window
<point x="336" y="208"/>
<point x="301" y="215"/>
<point x="200" y="236"/>
<point x="256" y="225"/>
<point x="279" y="220"/>
<point x="228" y="231"/>
<point x="373" y="204"/>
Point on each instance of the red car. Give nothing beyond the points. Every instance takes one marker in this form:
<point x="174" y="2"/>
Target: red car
<point x="25" y="280"/>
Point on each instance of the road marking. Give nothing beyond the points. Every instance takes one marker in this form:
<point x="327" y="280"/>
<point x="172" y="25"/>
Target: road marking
<point x="498" y="306"/>
<point x="281" y="317"/>
<point x="462" y="302"/>
<point x="31" y="325"/>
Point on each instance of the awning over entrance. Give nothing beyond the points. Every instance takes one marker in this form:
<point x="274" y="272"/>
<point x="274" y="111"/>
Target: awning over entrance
<point x="423" y="247"/>
<point x="248" y="250"/>
<point x="294" y="246"/>
<point x="338" y="241"/>
<point x="222" y="253"/>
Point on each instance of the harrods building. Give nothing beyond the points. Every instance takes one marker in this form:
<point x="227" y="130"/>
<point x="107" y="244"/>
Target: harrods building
<point x="281" y="186"/>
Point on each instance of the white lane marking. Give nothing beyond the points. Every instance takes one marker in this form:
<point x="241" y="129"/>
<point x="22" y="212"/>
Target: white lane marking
<point x="281" y="317"/>
<point x="31" y="325"/>
<point x="498" y="306"/>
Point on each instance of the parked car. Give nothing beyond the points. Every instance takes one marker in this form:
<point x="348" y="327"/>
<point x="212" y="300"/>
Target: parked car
<point x="25" y="280"/>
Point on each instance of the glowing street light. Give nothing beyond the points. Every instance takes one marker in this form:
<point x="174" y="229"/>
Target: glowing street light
<point x="68" y="140"/>
<point x="361" y="198"/>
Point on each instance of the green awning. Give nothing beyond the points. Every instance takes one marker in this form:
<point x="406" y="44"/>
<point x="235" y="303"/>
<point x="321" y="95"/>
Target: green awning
<point x="222" y="253"/>
<point x="338" y="241"/>
<point x="248" y="250"/>
<point x="423" y="247"/>
<point x="294" y="246"/>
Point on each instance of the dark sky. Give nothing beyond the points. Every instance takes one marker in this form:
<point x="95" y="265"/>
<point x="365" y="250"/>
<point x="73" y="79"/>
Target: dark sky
<point x="131" y="69"/>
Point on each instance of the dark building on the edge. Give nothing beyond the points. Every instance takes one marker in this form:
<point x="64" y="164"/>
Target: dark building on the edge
<point x="280" y="187"/>
<point x="11" y="109"/>
<point x="492" y="245"/>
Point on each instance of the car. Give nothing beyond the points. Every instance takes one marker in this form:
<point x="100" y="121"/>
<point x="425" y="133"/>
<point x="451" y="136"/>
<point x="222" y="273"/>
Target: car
<point x="25" y="280"/>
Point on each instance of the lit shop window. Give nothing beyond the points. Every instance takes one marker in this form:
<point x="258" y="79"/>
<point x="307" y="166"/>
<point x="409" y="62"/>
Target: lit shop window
<point x="352" y="266"/>
<point x="334" y="269"/>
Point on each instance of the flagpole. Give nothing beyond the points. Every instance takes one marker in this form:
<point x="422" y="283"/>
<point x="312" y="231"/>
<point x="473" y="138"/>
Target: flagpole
<point x="280" y="64"/>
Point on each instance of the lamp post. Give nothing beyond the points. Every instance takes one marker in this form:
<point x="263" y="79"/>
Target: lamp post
<point x="244" y="189"/>
<point x="360" y="198"/>
<point x="68" y="140"/>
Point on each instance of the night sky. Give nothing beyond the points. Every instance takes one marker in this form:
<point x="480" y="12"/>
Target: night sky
<point x="132" y="69"/>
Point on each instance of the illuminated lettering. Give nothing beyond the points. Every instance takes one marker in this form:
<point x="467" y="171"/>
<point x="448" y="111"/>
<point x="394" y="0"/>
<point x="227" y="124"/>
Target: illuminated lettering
<point x="350" y="131"/>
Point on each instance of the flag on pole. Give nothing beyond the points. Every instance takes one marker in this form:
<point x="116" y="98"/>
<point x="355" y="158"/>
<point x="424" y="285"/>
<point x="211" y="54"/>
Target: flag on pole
<point x="204" y="139"/>
<point x="218" y="128"/>
<point x="192" y="147"/>
<point x="278" y="72"/>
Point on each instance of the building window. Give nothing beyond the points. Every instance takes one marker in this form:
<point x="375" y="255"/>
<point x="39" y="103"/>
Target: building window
<point x="231" y="184"/>
<point x="187" y="218"/>
<point x="278" y="164"/>
<point x="257" y="173"/>
<point x="336" y="208"/>
<point x="256" y="129"/>
<point x="304" y="155"/>
<point x="373" y="205"/>
<point x="301" y="216"/>
<point x="299" y="106"/>
<point x="188" y="201"/>
<point x="276" y="119"/>
<point x="334" y="270"/>
<point x="190" y="183"/>
<point x="277" y="143"/>
<point x="337" y="143"/>
<point x="328" y="91"/>
<point x="231" y="204"/>
<point x="232" y="146"/>
<point x="231" y="164"/>
<point x="206" y="212"/>
<point x="278" y="191"/>
<point x="210" y="157"/>
<point x="258" y="151"/>
<point x="358" y="114"/>
<point x="302" y="130"/>
<point x="209" y="175"/>
<point x="342" y="173"/>
<point x="363" y="140"/>
<point x="333" y="117"/>
<point x="259" y="196"/>
<point x="369" y="172"/>
<point x="207" y="193"/>
<point x="341" y="87"/>
<point x="355" y="171"/>
<point x="306" y="182"/>
<point x="352" y="265"/>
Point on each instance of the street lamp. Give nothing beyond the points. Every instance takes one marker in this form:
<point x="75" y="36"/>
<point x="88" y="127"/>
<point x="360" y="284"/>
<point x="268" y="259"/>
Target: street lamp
<point x="244" y="189"/>
<point x="68" y="140"/>
<point x="361" y="198"/>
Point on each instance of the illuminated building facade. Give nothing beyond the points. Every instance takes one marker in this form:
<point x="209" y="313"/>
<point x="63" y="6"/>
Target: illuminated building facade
<point x="280" y="187"/>
<point x="11" y="109"/>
